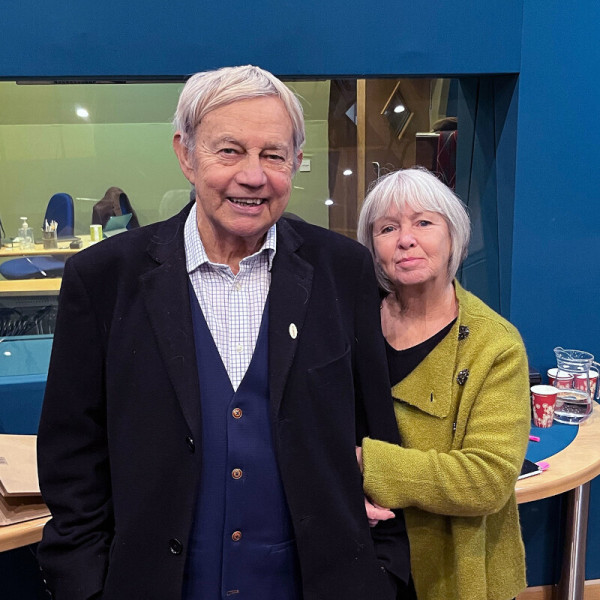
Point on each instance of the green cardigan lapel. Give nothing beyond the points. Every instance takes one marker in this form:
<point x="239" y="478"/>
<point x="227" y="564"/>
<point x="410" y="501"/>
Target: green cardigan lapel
<point x="429" y="386"/>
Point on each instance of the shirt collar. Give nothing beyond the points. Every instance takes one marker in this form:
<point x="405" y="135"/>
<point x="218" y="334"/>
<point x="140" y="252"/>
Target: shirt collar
<point x="195" y="254"/>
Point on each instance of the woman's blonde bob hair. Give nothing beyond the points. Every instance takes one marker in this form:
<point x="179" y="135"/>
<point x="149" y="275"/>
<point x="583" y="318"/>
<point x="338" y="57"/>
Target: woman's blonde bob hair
<point x="209" y="90"/>
<point x="419" y="190"/>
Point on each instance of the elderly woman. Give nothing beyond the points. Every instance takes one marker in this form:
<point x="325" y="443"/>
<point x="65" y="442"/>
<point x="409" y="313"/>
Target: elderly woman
<point x="461" y="392"/>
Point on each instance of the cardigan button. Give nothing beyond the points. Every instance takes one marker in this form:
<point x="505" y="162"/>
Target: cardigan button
<point x="236" y="473"/>
<point x="175" y="546"/>
<point x="190" y="442"/>
<point x="463" y="332"/>
<point x="236" y="536"/>
<point x="462" y="377"/>
<point x="237" y="413"/>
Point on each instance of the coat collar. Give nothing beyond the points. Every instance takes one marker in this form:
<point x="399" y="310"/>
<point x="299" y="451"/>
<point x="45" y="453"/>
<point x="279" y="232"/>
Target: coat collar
<point x="289" y="296"/>
<point x="429" y="386"/>
<point x="166" y="295"/>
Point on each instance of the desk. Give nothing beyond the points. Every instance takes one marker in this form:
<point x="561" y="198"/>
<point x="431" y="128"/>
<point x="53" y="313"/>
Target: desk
<point x="570" y="472"/>
<point x="38" y="249"/>
<point x="21" y="534"/>
<point x="30" y="287"/>
<point x="37" y="287"/>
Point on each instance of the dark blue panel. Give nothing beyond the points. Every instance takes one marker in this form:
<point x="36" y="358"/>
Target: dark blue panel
<point x="556" y="232"/>
<point x="592" y="561"/>
<point x="152" y="37"/>
<point x="20" y="575"/>
<point x="542" y="535"/>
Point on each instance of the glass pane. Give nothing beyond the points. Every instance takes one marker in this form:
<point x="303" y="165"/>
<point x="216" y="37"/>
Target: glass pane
<point x="82" y="139"/>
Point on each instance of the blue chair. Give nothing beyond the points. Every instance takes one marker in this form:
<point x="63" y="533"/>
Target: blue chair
<point x="60" y="209"/>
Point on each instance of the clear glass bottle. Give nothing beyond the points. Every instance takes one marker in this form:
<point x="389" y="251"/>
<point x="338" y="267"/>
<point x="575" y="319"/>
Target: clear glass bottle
<point x="26" y="235"/>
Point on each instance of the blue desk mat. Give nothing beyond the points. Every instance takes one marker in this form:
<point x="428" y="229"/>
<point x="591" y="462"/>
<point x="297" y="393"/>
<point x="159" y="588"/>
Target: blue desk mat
<point x="552" y="440"/>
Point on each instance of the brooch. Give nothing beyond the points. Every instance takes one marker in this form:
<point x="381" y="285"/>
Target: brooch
<point x="462" y="377"/>
<point x="463" y="332"/>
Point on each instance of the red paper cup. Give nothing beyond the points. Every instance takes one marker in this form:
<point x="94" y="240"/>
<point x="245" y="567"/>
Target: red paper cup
<point x="560" y="379"/>
<point x="543" y="399"/>
<point x="580" y="382"/>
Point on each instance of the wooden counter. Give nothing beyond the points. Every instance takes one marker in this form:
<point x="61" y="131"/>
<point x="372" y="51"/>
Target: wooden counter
<point x="30" y="287"/>
<point x="21" y="534"/>
<point x="63" y="249"/>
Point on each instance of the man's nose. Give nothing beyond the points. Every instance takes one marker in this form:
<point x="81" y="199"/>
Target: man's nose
<point x="251" y="172"/>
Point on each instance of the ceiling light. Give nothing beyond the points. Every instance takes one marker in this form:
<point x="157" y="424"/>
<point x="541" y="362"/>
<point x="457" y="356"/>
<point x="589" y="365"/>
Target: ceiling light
<point x="347" y="172"/>
<point x="399" y="108"/>
<point x="328" y="202"/>
<point x="82" y="112"/>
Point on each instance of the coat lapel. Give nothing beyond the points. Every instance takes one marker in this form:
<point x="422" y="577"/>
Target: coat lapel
<point x="166" y="295"/>
<point x="289" y="295"/>
<point x="429" y="386"/>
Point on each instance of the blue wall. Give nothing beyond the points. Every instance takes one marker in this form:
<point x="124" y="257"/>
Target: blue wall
<point x="556" y="239"/>
<point x="153" y="37"/>
<point x="550" y="291"/>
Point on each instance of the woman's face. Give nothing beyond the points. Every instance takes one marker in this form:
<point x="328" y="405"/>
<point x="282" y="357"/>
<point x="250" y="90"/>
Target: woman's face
<point x="412" y="247"/>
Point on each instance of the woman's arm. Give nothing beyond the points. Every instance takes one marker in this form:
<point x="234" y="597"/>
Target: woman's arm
<point x="478" y="478"/>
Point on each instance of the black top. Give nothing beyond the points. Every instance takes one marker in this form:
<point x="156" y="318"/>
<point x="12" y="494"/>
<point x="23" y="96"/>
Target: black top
<point x="402" y="362"/>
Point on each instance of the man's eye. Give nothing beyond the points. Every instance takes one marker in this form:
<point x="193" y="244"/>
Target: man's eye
<point x="228" y="151"/>
<point x="275" y="157"/>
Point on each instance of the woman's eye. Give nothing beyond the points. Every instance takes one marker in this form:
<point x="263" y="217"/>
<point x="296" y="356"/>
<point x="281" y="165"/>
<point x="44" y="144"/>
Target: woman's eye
<point x="424" y="223"/>
<point x="387" y="229"/>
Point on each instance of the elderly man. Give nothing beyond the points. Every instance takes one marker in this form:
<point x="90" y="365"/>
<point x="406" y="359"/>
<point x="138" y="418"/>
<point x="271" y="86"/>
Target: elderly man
<point x="210" y="377"/>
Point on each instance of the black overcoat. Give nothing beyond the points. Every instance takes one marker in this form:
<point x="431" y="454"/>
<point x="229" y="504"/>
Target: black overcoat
<point x="118" y="446"/>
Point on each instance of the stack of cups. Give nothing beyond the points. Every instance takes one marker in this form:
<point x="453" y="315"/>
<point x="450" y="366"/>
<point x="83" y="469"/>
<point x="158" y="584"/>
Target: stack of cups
<point x="566" y="381"/>
<point x="580" y="382"/>
<point x="560" y="379"/>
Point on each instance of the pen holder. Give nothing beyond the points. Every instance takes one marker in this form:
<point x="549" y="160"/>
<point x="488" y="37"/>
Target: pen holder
<point x="49" y="240"/>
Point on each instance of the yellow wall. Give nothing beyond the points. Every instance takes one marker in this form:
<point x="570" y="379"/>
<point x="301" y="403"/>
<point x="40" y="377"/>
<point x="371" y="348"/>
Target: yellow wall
<point x="126" y="142"/>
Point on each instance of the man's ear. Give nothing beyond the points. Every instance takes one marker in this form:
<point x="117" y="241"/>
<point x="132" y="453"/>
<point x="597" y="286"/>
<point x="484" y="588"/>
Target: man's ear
<point x="298" y="161"/>
<point x="184" y="156"/>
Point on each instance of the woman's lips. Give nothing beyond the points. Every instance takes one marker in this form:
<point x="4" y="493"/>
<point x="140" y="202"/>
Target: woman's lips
<point x="409" y="259"/>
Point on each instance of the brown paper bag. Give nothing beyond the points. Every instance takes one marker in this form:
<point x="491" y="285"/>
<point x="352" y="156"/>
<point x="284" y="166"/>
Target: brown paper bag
<point x="20" y="498"/>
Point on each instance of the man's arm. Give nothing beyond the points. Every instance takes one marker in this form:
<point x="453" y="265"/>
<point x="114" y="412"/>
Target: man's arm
<point x="375" y="412"/>
<point x="72" y="451"/>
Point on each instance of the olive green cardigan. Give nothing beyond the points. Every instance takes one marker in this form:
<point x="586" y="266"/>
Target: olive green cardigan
<point x="464" y="417"/>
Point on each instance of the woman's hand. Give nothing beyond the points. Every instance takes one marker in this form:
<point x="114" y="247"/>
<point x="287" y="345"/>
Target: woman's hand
<point x="376" y="513"/>
<point x="359" y="457"/>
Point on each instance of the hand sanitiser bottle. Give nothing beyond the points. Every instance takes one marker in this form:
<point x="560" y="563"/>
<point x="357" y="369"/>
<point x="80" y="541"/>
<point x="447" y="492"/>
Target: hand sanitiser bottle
<point x="26" y="235"/>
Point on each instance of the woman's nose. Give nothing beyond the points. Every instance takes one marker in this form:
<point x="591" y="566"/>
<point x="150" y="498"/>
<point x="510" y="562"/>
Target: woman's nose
<point x="406" y="240"/>
<point x="251" y="173"/>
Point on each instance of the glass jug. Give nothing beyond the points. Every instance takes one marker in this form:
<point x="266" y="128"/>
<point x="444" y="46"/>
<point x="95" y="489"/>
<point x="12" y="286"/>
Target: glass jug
<point x="574" y="406"/>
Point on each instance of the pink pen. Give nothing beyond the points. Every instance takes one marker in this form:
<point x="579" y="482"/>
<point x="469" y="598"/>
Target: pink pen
<point x="543" y="465"/>
<point x="534" y="438"/>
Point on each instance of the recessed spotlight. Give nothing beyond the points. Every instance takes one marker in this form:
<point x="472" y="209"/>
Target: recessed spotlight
<point x="328" y="202"/>
<point x="347" y="172"/>
<point x="399" y="108"/>
<point x="82" y="112"/>
<point x="8" y="353"/>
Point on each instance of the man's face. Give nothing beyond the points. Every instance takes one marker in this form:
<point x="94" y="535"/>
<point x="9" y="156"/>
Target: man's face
<point x="242" y="169"/>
